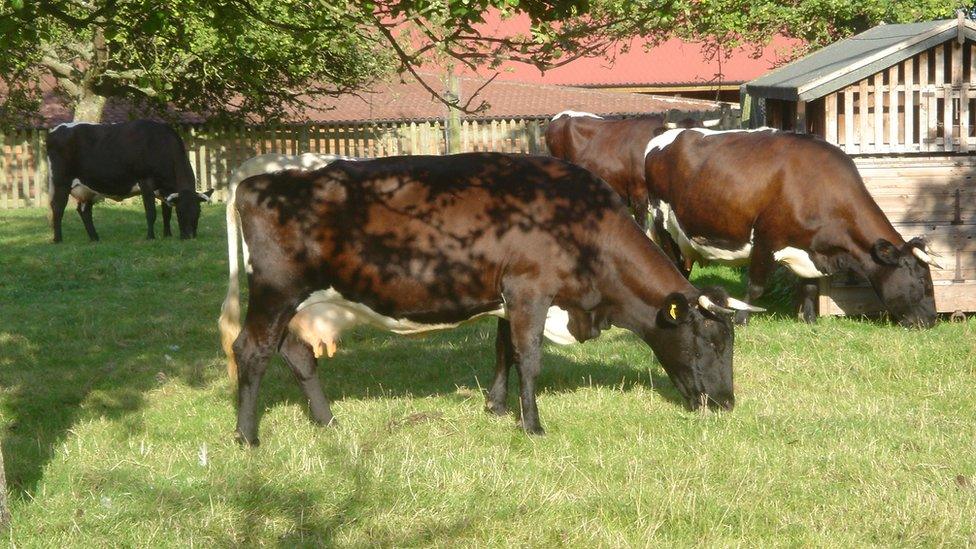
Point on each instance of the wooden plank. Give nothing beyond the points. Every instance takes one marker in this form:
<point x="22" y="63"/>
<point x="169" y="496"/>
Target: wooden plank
<point x="850" y="145"/>
<point x="879" y="93"/>
<point x="894" y="141"/>
<point x="947" y="125"/>
<point x="863" y="138"/>
<point x="935" y="117"/>
<point x="910" y="102"/>
<point x="4" y="170"/>
<point x="800" y="121"/>
<point x="965" y="94"/>
<point x="24" y="139"/>
<point x="923" y="103"/>
<point x="42" y="167"/>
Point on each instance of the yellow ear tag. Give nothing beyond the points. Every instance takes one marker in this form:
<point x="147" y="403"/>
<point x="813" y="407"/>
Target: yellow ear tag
<point x="674" y="311"/>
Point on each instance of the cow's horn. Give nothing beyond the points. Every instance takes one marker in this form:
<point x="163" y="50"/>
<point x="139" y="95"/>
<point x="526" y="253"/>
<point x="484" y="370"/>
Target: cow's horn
<point x="171" y="198"/>
<point x="705" y="303"/>
<point x="711" y="123"/>
<point x="925" y="258"/>
<point x="743" y="306"/>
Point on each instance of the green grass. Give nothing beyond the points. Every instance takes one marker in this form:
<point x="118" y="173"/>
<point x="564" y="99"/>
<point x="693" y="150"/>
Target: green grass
<point x="112" y="386"/>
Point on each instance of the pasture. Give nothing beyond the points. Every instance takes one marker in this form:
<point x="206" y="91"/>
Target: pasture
<point x="116" y="420"/>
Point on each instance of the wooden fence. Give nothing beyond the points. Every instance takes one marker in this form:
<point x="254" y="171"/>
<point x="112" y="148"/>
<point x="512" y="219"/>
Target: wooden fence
<point x="215" y="151"/>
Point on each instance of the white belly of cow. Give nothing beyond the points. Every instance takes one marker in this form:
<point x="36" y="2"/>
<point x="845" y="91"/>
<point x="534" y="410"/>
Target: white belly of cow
<point x="321" y="319"/>
<point x="83" y="193"/>
<point x="697" y="250"/>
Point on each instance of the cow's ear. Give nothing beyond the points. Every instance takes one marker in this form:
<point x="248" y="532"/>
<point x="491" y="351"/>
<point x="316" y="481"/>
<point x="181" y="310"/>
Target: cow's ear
<point x="205" y="196"/>
<point x="885" y="252"/>
<point x="172" y="199"/>
<point x="675" y="310"/>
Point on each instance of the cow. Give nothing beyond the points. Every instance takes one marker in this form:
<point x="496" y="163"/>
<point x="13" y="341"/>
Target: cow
<point x="764" y="197"/>
<point x="613" y="149"/>
<point x="93" y="161"/>
<point x="422" y="243"/>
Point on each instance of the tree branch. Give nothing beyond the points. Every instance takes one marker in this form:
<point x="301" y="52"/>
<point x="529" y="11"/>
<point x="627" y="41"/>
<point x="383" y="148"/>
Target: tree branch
<point x="50" y="8"/>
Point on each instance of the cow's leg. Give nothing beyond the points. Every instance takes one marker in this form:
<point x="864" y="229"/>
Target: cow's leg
<point x="85" y="212"/>
<point x="149" y="203"/>
<point x="504" y="358"/>
<point x="268" y="314"/>
<point x="527" y="315"/>
<point x="167" y="216"/>
<point x="808" y="295"/>
<point x="301" y="360"/>
<point x="59" y="201"/>
<point x="761" y="264"/>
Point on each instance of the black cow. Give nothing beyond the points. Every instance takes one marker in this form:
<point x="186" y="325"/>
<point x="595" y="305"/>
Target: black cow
<point x="766" y="197"/>
<point x="93" y="161"/>
<point x="412" y="244"/>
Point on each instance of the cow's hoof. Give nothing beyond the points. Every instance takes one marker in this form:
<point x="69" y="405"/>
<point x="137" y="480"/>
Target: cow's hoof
<point x="325" y="421"/>
<point x="532" y="429"/>
<point x="496" y="408"/>
<point x="244" y="441"/>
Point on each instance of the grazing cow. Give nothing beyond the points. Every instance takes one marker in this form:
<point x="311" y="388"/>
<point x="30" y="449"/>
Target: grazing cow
<point x="94" y="161"/>
<point x="614" y="150"/>
<point x="414" y="244"/>
<point x="764" y="197"/>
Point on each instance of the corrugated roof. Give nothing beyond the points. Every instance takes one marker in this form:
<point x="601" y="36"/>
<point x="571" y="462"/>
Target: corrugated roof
<point x="843" y="63"/>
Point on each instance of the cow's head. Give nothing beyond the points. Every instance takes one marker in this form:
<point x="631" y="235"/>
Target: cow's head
<point x="187" y="205"/>
<point x="904" y="282"/>
<point x="693" y="340"/>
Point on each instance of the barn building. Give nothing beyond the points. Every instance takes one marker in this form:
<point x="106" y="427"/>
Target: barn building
<point x="901" y="100"/>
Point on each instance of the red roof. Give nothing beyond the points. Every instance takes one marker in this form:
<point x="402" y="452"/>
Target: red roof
<point x="671" y="62"/>
<point x="408" y="100"/>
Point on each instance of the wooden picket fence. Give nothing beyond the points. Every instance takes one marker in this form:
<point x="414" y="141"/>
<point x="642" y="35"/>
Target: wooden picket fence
<point x="215" y="150"/>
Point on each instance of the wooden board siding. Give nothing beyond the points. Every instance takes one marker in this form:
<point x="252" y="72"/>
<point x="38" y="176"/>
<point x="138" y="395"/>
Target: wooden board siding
<point x="923" y="104"/>
<point x="932" y="196"/>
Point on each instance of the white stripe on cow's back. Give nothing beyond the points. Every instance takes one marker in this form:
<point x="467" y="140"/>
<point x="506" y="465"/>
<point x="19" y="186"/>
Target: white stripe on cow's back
<point x="577" y="114"/>
<point x="72" y="124"/>
<point x="325" y="314"/>
<point x="661" y="141"/>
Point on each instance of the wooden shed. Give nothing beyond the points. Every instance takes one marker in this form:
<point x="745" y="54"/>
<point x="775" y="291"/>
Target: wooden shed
<point x="901" y="100"/>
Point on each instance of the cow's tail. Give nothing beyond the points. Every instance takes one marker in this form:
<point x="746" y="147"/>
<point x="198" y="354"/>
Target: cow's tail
<point x="230" y="311"/>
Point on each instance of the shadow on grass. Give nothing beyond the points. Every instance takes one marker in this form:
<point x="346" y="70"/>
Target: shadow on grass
<point x="89" y="328"/>
<point x="456" y="363"/>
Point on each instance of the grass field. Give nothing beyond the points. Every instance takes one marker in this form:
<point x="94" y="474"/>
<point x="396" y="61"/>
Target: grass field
<point x="116" y="420"/>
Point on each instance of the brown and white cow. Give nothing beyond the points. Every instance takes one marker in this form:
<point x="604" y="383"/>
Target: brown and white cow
<point x="764" y="197"/>
<point x="614" y="150"/>
<point x="414" y="244"/>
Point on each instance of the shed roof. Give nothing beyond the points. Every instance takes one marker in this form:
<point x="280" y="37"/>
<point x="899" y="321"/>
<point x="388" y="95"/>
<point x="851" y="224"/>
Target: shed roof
<point x="848" y="61"/>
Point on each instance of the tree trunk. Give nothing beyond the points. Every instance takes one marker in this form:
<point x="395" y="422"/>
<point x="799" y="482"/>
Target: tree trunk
<point x="452" y="123"/>
<point x="90" y="107"/>
<point x="4" y="512"/>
